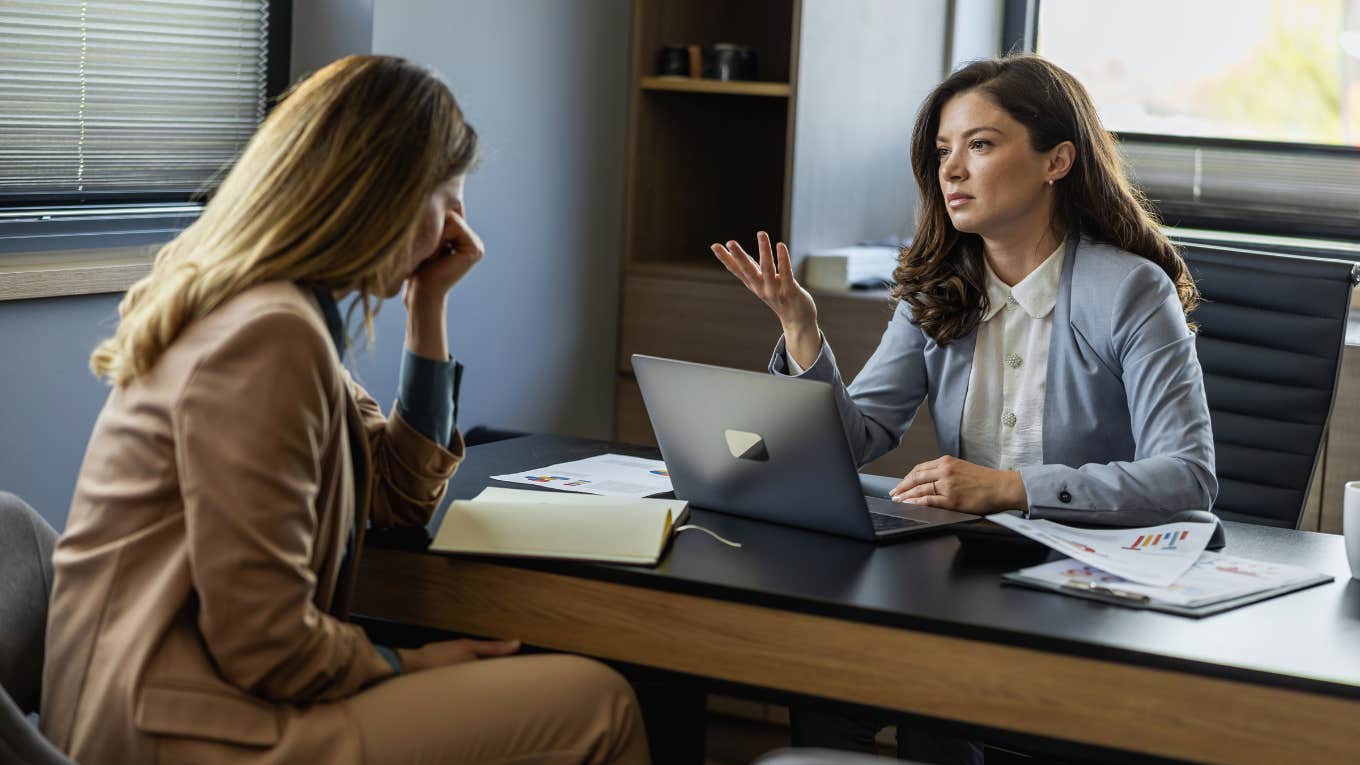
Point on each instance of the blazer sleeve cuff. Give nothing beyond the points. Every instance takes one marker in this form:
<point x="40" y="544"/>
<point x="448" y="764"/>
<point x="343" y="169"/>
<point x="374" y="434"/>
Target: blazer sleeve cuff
<point x="427" y="395"/>
<point x="823" y="368"/>
<point x="1063" y="494"/>
<point x="1049" y="493"/>
<point x="418" y="453"/>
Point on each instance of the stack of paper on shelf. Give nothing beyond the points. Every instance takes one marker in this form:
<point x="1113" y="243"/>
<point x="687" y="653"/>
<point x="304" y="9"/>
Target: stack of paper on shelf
<point x="841" y="268"/>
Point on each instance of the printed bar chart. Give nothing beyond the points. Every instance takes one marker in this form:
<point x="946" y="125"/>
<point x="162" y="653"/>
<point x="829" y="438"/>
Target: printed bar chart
<point x="1158" y="541"/>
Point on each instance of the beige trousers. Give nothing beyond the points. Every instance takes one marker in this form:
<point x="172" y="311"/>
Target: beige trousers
<point x="552" y="709"/>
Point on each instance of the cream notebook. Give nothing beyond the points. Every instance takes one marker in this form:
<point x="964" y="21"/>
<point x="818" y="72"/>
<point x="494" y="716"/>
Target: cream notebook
<point x="541" y="524"/>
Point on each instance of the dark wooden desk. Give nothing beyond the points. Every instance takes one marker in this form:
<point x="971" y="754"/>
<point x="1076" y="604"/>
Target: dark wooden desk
<point x="921" y="626"/>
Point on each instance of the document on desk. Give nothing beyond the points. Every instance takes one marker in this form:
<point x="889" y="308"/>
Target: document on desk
<point x="608" y="475"/>
<point x="1214" y="583"/>
<point x="540" y="524"/>
<point x="1155" y="555"/>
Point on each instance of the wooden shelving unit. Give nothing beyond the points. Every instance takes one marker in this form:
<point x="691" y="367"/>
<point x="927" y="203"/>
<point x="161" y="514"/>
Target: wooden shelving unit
<point x="691" y="139"/>
<point x="711" y="160"/>
<point x="697" y="270"/>
<point x="719" y="87"/>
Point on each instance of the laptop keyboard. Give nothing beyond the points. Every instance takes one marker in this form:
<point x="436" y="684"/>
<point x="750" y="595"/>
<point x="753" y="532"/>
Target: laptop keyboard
<point x="884" y="523"/>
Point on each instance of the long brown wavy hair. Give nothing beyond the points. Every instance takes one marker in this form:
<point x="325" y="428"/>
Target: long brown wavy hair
<point x="942" y="274"/>
<point x="328" y="192"/>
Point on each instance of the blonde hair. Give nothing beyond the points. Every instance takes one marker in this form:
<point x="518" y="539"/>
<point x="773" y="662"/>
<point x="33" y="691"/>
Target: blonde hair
<point x="327" y="192"/>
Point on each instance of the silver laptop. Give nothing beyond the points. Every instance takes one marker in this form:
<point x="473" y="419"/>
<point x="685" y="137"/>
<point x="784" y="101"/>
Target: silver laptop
<point x="767" y="447"/>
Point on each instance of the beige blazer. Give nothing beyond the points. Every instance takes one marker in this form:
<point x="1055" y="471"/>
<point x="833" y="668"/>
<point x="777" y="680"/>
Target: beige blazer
<point x="197" y="611"/>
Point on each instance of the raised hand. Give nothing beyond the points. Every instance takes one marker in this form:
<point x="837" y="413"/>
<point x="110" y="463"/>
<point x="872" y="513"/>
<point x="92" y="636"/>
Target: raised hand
<point x="771" y="278"/>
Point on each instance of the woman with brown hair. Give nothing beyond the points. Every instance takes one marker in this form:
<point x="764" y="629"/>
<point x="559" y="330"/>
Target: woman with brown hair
<point x="197" y="612"/>
<point x="1041" y="312"/>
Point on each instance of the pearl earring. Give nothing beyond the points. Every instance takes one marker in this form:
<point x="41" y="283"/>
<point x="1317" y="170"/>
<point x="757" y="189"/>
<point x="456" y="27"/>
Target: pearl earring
<point x="1050" y="181"/>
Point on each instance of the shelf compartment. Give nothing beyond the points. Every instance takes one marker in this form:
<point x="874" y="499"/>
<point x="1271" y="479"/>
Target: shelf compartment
<point x="704" y="170"/>
<point x="718" y="87"/>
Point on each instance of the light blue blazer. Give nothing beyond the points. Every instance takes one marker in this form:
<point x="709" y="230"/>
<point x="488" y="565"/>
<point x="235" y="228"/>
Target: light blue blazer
<point x="1126" y="426"/>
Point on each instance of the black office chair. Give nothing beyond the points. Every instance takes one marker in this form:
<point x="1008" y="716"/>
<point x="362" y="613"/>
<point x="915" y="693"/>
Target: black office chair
<point x="1271" y="331"/>
<point x="484" y="434"/>
<point x="25" y="584"/>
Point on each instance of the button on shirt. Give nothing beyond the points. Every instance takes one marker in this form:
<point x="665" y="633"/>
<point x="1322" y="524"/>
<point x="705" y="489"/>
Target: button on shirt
<point x="1003" y="412"/>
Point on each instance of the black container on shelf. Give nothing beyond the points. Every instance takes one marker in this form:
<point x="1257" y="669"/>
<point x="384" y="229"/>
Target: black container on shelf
<point x="728" y="61"/>
<point x="749" y="70"/>
<point x="673" y="61"/>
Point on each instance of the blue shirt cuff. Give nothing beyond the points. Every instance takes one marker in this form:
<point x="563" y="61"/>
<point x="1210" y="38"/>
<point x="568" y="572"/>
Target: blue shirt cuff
<point x="427" y="396"/>
<point x="391" y="656"/>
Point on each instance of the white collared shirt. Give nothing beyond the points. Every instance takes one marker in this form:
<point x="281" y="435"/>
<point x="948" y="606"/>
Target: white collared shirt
<point x="1003" y="412"/>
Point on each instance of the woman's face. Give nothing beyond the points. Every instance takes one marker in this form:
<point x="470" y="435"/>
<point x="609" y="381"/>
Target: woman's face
<point x="992" y="179"/>
<point x="434" y="228"/>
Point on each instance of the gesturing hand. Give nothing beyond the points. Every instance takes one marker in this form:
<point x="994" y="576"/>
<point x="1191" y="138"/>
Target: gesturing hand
<point x="955" y="484"/>
<point x="446" y="652"/>
<point x="772" y="280"/>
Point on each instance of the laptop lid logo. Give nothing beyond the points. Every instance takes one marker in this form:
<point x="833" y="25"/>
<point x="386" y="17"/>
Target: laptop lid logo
<point x="746" y="446"/>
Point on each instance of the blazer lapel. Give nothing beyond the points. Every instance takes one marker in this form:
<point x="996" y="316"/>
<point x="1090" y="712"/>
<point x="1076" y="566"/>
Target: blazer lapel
<point x="1060" y="348"/>
<point x="360" y="459"/>
<point x="951" y="390"/>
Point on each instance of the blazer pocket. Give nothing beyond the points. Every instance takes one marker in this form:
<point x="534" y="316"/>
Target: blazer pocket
<point x="208" y="715"/>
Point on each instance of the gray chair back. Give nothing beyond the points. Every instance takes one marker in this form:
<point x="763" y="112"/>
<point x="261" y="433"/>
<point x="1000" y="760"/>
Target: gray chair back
<point x="25" y="584"/>
<point x="1272" y="330"/>
<point x="21" y="742"/>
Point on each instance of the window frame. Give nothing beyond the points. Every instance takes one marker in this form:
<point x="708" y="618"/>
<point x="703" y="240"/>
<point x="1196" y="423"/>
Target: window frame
<point x="1020" y="32"/>
<point x="1019" y="26"/>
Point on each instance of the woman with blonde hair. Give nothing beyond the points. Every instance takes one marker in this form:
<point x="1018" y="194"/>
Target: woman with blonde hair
<point x="1041" y="314"/>
<point x="201" y="585"/>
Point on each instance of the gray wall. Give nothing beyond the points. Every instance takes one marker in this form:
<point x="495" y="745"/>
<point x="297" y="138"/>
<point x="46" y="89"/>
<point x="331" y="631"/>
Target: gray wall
<point x="976" y="31"/>
<point x="48" y="397"/>
<point x="545" y="83"/>
<point x="859" y="86"/>
<point x="324" y="30"/>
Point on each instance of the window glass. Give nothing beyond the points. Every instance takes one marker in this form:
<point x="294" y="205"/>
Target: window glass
<point x="1266" y="70"/>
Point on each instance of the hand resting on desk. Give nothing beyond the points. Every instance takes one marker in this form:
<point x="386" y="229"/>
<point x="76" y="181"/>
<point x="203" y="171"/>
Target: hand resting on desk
<point x="954" y="484"/>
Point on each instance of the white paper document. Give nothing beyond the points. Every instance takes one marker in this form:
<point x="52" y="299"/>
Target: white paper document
<point x="609" y="475"/>
<point x="1156" y="555"/>
<point x="1212" y="579"/>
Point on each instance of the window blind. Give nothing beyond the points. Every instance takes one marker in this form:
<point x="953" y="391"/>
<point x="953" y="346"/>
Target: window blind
<point x="103" y="99"/>
<point x="1304" y="190"/>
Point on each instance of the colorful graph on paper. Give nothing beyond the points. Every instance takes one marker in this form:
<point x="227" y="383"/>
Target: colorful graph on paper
<point x="607" y="475"/>
<point x="546" y="478"/>
<point x="1159" y="541"/>
<point x="1154" y="555"/>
